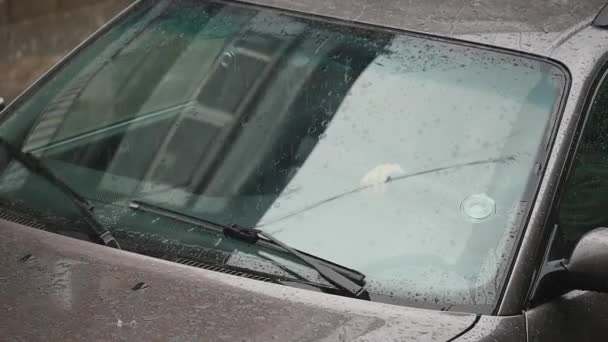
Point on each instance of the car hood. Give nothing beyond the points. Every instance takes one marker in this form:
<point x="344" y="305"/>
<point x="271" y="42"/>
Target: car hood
<point x="54" y="287"/>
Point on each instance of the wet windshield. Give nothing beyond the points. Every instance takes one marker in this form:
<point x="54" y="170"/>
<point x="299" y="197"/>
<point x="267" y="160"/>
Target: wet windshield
<point x="407" y="158"/>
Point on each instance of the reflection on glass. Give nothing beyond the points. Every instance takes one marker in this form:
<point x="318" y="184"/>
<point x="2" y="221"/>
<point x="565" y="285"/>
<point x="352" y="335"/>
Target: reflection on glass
<point x="357" y="145"/>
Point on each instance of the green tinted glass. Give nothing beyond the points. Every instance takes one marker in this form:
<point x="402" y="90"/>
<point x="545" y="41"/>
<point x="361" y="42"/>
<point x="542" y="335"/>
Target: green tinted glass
<point x="406" y="158"/>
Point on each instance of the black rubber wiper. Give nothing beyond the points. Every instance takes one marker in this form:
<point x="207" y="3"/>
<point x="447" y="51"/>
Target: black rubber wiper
<point x="343" y="278"/>
<point x="85" y="208"/>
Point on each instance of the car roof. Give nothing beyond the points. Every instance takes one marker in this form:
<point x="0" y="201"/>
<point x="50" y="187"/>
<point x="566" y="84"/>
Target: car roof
<point x="537" y="26"/>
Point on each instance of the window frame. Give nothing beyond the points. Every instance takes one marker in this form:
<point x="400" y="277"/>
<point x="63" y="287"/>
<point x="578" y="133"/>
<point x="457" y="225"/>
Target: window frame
<point x="537" y="288"/>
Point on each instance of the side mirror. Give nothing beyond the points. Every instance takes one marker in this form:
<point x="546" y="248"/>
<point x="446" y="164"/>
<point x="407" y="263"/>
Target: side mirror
<point x="588" y="265"/>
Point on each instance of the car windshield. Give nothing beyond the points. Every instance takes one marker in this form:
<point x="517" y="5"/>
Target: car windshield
<point x="408" y="158"/>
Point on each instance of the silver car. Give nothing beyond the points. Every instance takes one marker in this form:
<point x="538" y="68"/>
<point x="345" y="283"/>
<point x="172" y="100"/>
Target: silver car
<point x="276" y="170"/>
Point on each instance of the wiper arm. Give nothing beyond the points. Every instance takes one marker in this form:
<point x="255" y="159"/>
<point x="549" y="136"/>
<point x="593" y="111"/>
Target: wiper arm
<point x="253" y="235"/>
<point x="339" y="276"/>
<point x="85" y="208"/>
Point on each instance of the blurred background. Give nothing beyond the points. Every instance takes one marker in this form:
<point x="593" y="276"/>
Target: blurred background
<point x="35" y="34"/>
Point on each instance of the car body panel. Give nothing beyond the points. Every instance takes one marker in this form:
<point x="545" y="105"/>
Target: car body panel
<point x="575" y="316"/>
<point x="492" y="328"/>
<point x="584" y="59"/>
<point x="58" y="288"/>
<point x="534" y="27"/>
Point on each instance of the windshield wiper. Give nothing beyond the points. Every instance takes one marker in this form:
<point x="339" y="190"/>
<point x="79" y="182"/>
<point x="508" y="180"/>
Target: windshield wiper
<point x="341" y="277"/>
<point x="36" y="166"/>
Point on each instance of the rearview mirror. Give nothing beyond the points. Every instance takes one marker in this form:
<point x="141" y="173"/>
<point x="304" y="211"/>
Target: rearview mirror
<point x="2" y="104"/>
<point x="588" y="264"/>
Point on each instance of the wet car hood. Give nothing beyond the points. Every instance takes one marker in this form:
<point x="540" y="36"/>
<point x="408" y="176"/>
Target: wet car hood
<point x="58" y="288"/>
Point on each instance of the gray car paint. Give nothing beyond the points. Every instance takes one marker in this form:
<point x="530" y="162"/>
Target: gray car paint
<point x="57" y="288"/>
<point x="493" y="328"/>
<point x="584" y="57"/>
<point x="531" y="26"/>
<point x="577" y="316"/>
<point x="552" y="28"/>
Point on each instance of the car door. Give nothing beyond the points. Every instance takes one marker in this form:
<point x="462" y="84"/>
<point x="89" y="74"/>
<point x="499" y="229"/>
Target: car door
<point x="582" y="206"/>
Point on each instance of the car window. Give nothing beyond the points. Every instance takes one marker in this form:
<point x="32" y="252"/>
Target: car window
<point x="585" y="198"/>
<point x="405" y="157"/>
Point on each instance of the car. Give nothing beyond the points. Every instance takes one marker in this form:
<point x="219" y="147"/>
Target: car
<point x="267" y="170"/>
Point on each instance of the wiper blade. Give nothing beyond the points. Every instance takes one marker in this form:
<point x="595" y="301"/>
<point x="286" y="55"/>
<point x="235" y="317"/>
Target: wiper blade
<point x="341" y="277"/>
<point x="253" y="235"/>
<point x="85" y="208"/>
